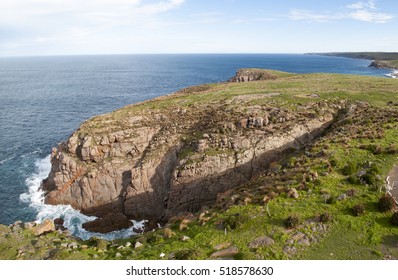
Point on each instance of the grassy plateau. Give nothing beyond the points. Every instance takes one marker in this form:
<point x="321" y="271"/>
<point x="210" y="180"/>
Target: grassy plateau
<point x="322" y="202"/>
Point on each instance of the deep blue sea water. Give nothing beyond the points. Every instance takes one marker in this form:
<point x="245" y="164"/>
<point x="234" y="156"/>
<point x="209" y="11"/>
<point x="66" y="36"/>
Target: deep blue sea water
<point x="44" y="99"/>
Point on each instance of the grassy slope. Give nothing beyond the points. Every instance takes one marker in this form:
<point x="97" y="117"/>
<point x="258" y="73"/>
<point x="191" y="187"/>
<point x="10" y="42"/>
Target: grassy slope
<point x="242" y="217"/>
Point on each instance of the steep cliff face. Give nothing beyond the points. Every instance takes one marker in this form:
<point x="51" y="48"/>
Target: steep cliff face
<point x="158" y="158"/>
<point x="381" y="64"/>
<point x="248" y="75"/>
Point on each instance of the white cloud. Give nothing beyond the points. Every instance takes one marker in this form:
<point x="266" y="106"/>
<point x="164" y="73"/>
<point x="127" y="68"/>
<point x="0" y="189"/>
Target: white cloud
<point x="363" y="15"/>
<point x="365" y="11"/>
<point x="363" y="5"/>
<point x="17" y="11"/>
<point x="159" y="7"/>
<point x="90" y="23"/>
<point x="361" y="11"/>
<point x="312" y="16"/>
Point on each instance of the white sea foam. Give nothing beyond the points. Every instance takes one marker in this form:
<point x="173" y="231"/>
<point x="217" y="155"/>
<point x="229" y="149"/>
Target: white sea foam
<point x="393" y="75"/>
<point x="7" y="159"/>
<point x="73" y="219"/>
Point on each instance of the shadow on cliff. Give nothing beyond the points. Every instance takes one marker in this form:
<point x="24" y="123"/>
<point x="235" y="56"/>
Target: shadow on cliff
<point x="149" y="204"/>
<point x="168" y="197"/>
<point x="193" y="195"/>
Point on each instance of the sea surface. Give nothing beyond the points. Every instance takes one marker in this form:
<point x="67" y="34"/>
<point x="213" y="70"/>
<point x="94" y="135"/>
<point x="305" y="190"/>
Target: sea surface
<point x="44" y="99"/>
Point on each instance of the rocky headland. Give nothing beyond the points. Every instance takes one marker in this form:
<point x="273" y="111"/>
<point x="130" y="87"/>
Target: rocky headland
<point x="380" y="60"/>
<point x="269" y="165"/>
<point x="143" y="162"/>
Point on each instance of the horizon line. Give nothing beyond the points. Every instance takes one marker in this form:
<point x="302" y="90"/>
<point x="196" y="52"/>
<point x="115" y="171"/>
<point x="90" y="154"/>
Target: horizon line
<point x="198" y="53"/>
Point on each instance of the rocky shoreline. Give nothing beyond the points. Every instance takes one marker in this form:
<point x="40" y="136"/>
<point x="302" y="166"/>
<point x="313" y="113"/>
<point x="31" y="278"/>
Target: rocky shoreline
<point x="154" y="164"/>
<point x="270" y="166"/>
<point x="385" y="65"/>
<point x="380" y="60"/>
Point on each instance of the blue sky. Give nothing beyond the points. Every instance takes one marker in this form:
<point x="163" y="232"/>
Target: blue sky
<point x="64" y="27"/>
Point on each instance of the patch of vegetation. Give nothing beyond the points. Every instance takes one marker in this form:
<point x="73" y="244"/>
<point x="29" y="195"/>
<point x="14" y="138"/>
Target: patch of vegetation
<point x="325" y="217"/>
<point x="358" y="210"/>
<point x="331" y="200"/>
<point x="394" y="219"/>
<point x="292" y="221"/>
<point x="386" y="203"/>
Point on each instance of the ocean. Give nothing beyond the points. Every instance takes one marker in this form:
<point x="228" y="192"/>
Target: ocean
<point x="44" y="99"/>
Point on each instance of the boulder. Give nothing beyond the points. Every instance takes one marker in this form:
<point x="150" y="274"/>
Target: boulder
<point x="108" y="223"/>
<point x="261" y="242"/>
<point x="226" y="253"/>
<point x="293" y="193"/>
<point x="45" y="227"/>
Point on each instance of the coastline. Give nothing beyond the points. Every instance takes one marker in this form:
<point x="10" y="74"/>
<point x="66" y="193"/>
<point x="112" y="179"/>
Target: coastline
<point x="380" y="60"/>
<point x="228" y="226"/>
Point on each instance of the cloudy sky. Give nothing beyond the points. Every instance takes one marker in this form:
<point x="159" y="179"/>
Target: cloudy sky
<point x="63" y="27"/>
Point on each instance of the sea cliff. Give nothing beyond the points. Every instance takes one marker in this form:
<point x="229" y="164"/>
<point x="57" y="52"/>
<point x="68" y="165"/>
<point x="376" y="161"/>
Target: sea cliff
<point x="270" y="165"/>
<point x="152" y="161"/>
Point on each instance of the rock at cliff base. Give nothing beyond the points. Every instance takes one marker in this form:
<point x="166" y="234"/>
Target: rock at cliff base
<point x="108" y="223"/>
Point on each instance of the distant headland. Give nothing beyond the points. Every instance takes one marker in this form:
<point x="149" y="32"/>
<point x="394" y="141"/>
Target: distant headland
<point x="381" y="60"/>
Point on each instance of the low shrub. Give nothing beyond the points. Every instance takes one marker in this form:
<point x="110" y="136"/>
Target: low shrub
<point x="394" y="219"/>
<point x="188" y="254"/>
<point x="331" y="200"/>
<point x="386" y="203"/>
<point x="349" y="168"/>
<point x="292" y="221"/>
<point x="351" y="192"/>
<point x="234" y="221"/>
<point x="358" y="210"/>
<point x="353" y="179"/>
<point x="325" y="217"/>
<point x="98" y="242"/>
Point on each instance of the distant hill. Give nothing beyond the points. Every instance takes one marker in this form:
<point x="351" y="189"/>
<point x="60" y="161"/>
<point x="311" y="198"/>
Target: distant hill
<point x="380" y="59"/>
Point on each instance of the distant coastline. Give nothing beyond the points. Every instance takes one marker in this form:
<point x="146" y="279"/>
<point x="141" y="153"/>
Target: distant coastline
<point x="380" y="60"/>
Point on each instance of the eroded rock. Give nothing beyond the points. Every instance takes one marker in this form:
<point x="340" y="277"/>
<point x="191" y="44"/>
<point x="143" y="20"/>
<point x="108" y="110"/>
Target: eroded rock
<point x="108" y="223"/>
<point x="151" y="164"/>
<point x="45" y="227"/>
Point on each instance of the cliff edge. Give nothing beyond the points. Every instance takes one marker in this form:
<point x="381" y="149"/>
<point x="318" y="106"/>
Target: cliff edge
<point x="158" y="158"/>
<point x="292" y="167"/>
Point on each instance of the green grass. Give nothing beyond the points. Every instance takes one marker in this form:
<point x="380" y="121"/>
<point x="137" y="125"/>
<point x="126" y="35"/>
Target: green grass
<point x="293" y="89"/>
<point x="243" y="217"/>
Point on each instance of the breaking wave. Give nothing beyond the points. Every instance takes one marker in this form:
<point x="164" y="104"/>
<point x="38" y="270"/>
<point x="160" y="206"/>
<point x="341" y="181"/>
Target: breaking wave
<point x="393" y="74"/>
<point x="73" y="219"/>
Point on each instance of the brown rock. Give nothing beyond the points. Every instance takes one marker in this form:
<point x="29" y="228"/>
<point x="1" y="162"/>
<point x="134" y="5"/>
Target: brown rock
<point x="226" y="253"/>
<point x="203" y="217"/>
<point x="243" y="123"/>
<point x="261" y="242"/>
<point x="222" y="246"/>
<point x="248" y="75"/>
<point x="184" y="224"/>
<point x="45" y="227"/>
<point x="293" y="193"/>
<point x="297" y="236"/>
<point x="108" y="223"/>
<point x="136" y="164"/>
<point x="59" y="222"/>
<point x="29" y="225"/>
<point x="168" y="233"/>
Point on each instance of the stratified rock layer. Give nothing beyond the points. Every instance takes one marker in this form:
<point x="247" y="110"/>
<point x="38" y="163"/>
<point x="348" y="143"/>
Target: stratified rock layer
<point x="149" y="162"/>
